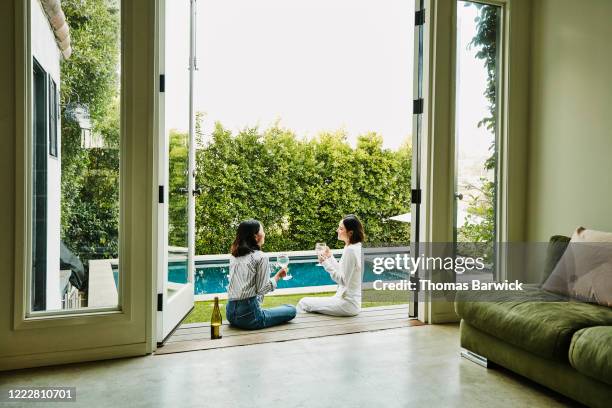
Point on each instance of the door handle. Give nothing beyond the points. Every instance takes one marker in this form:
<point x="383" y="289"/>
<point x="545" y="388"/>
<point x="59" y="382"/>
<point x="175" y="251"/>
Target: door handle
<point x="459" y="196"/>
<point x="197" y="191"/>
<point x="182" y="190"/>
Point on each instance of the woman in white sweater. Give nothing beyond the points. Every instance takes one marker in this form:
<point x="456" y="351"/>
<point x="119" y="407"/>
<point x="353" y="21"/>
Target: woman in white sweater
<point x="347" y="273"/>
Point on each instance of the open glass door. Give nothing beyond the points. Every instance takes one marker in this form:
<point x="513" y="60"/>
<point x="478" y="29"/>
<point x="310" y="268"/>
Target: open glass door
<point x="417" y="130"/>
<point x="177" y="166"/>
<point x="478" y="54"/>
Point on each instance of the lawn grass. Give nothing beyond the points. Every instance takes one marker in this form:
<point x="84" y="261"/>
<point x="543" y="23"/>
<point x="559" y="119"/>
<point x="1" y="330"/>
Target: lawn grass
<point x="202" y="311"/>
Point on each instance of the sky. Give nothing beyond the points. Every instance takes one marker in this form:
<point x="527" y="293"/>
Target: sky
<point x="471" y="106"/>
<point x="314" y="65"/>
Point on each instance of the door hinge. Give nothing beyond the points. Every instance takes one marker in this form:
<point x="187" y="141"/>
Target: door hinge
<point x="160" y="302"/>
<point x="417" y="106"/>
<point x="415" y="197"/>
<point x="162" y="83"/>
<point x="160" y="198"/>
<point x="419" y="18"/>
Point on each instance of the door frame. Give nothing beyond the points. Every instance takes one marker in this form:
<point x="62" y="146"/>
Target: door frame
<point x="437" y="162"/>
<point x="101" y="333"/>
<point x="499" y="136"/>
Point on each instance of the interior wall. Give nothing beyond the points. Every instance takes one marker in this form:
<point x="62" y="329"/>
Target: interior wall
<point x="570" y="136"/>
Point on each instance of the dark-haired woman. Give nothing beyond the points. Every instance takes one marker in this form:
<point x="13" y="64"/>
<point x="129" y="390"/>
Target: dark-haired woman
<point x="348" y="274"/>
<point x="249" y="281"/>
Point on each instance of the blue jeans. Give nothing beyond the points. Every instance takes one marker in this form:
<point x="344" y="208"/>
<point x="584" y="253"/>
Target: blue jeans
<point x="248" y="314"/>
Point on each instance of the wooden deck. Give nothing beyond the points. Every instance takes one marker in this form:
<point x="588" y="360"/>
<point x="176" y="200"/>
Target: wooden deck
<point x="196" y="336"/>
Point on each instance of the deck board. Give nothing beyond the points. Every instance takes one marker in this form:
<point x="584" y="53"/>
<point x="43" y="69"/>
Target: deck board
<point x="306" y="325"/>
<point x="231" y="331"/>
<point x="316" y="316"/>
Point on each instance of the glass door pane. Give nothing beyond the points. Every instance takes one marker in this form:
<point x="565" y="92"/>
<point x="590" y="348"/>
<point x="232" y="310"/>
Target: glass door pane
<point x="476" y="132"/>
<point x="178" y="210"/>
<point x="419" y="35"/>
<point x="74" y="157"/>
<point x="177" y="291"/>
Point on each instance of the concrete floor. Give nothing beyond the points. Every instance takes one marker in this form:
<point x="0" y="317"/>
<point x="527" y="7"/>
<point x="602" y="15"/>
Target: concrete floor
<point x="414" y="366"/>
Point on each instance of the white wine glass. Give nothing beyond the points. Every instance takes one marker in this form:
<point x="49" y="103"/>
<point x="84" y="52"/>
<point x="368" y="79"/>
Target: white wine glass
<point x="320" y="250"/>
<point x="283" y="262"/>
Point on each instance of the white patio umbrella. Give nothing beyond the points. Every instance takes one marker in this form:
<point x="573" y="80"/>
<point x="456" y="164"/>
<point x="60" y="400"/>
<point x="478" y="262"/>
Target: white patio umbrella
<point x="402" y="218"/>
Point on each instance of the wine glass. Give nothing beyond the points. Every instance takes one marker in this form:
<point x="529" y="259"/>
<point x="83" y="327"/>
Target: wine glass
<point x="283" y="262"/>
<point x="320" y="249"/>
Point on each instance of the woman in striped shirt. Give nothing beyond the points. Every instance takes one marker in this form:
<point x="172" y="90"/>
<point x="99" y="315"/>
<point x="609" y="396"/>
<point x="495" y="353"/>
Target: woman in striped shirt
<point x="249" y="281"/>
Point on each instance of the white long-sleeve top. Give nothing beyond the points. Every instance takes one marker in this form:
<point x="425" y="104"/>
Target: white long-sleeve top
<point x="347" y="273"/>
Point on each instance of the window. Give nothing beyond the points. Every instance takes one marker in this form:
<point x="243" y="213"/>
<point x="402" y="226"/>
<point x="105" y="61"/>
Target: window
<point x="478" y="51"/>
<point x="39" y="187"/>
<point x="53" y="112"/>
<point x="74" y="192"/>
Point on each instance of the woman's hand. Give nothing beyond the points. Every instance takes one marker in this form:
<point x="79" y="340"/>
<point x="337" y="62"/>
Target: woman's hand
<point x="280" y="274"/>
<point x="325" y="255"/>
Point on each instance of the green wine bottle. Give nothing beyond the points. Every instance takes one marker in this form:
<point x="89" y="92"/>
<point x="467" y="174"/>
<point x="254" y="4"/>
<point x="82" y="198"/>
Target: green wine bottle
<point x="216" y="321"/>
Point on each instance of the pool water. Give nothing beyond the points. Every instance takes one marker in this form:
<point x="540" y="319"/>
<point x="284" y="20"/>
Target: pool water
<point x="213" y="276"/>
<point x="304" y="272"/>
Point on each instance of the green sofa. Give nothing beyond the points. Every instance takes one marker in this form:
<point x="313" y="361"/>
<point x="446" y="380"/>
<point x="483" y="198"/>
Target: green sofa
<point x="563" y="345"/>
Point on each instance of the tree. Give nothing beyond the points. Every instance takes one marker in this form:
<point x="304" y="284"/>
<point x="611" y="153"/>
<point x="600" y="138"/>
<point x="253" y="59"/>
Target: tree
<point x="90" y="177"/>
<point x="178" y="183"/>
<point x="383" y="188"/>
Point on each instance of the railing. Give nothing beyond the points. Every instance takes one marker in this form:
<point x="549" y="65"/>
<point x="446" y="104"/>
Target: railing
<point x="272" y="255"/>
<point x="72" y="299"/>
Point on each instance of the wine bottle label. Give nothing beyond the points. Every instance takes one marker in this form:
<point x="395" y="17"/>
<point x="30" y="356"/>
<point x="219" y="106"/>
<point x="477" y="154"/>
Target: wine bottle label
<point x="215" y="332"/>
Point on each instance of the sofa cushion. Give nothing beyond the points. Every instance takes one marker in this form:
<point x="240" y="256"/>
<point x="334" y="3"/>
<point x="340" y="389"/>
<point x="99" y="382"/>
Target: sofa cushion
<point x="584" y="272"/>
<point x="534" y="320"/>
<point x="556" y="247"/>
<point x="591" y="352"/>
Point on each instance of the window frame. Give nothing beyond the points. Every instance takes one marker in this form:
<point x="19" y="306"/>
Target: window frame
<point x="24" y="317"/>
<point x="51" y="340"/>
<point x="437" y="165"/>
<point x="504" y="169"/>
<point x="500" y="132"/>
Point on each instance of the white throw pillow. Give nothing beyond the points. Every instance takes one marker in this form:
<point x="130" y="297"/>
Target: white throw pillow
<point x="585" y="269"/>
<point x="595" y="286"/>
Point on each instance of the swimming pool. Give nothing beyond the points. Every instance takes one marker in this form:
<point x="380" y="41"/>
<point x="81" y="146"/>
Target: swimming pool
<point x="211" y="276"/>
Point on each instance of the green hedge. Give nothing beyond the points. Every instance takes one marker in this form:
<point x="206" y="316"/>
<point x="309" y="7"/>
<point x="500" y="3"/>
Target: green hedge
<point x="299" y="189"/>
